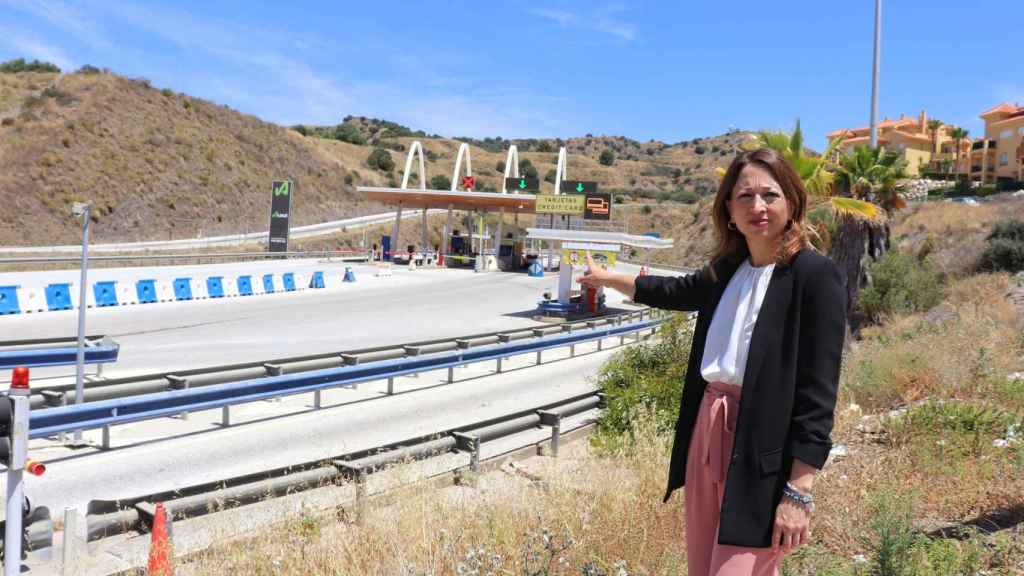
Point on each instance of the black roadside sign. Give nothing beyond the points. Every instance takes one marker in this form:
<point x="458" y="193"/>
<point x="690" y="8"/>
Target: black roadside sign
<point x="523" y="184"/>
<point x="598" y="205"/>
<point x="280" y="207"/>
<point x="578" y="187"/>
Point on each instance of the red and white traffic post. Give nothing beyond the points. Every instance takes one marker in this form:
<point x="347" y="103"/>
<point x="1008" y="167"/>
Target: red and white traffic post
<point x="17" y="412"/>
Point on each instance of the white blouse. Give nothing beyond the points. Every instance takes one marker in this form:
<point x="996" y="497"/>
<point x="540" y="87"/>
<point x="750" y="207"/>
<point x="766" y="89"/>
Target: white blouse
<point x="728" y="341"/>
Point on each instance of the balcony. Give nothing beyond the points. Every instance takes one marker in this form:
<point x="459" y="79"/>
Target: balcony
<point x="981" y="144"/>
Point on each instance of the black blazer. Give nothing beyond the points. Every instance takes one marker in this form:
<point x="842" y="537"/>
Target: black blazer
<point x="789" y="387"/>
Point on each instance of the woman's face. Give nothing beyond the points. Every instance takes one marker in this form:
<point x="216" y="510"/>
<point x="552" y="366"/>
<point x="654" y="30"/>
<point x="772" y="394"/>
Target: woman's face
<point x="757" y="205"/>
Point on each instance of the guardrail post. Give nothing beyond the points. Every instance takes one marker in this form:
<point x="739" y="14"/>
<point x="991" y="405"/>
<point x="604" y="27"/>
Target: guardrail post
<point x="567" y="328"/>
<point x="538" y="333"/>
<point x="69" y="548"/>
<point x="105" y="442"/>
<point x="504" y="339"/>
<point x="178" y="383"/>
<point x="553" y="419"/>
<point x="350" y="360"/>
<point x="469" y="443"/>
<point x="600" y="341"/>
<point x="462" y="344"/>
<point x="54" y="398"/>
<point x="356" y="472"/>
<point x="225" y="416"/>
<point x="273" y="370"/>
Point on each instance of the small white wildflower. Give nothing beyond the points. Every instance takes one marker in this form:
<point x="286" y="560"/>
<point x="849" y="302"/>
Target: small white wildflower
<point x="859" y="558"/>
<point x="1000" y="443"/>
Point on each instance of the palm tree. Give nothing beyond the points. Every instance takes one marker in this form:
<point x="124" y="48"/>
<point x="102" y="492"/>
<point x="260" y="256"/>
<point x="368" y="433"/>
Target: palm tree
<point x="871" y="174"/>
<point x="857" y="216"/>
<point x="933" y="127"/>
<point x="815" y="173"/>
<point x="867" y="174"/>
<point x="958" y="134"/>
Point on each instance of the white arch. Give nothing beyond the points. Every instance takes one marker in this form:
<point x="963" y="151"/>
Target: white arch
<point x="415" y="147"/>
<point x="511" y="167"/>
<point x="463" y="151"/>
<point x="560" y="172"/>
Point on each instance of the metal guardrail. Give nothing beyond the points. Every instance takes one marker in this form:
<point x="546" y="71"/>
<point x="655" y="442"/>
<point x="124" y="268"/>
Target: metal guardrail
<point x="106" y="413"/>
<point x="109" y="517"/>
<point x="96" y="352"/>
<point x="342" y="254"/>
<point x="109" y="388"/>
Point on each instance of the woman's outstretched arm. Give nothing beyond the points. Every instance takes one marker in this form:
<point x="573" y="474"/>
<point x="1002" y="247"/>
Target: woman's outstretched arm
<point x="688" y="293"/>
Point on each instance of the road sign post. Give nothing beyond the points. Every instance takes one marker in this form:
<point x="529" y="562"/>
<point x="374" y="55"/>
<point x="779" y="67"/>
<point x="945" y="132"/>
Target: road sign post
<point x="280" y="210"/>
<point x="523" y="184"/>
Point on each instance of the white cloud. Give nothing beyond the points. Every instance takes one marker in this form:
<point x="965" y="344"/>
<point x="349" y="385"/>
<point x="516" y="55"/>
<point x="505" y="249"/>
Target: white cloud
<point x="605" y="19"/>
<point x="270" y="83"/>
<point x="65" y="17"/>
<point x="27" y="45"/>
<point x="561" y="17"/>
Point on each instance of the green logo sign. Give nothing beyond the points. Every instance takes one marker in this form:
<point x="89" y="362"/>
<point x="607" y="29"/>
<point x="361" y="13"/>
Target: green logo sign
<point x="522" y="184"/>
<point x="282" y="188"/>
<point x="579" y="187"/>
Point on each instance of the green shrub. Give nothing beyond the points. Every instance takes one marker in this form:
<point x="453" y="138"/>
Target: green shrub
<point x="440" y="182"/>
<point x="20" y="65"/>
<point x="699" y="149"/>
<point x="500" y="166"/>
<point x="346" y="132"/>
<point x="527" y="169"/>
<point x="647" y="378"/>
<point x="646" y="209"/>
<point x="685" y="196"/>
<point x="607" y="158"/>
<point x="1008" y="229"/>
<point x="550" y="176"/>
<point x="900" y="284"/>
<point x="89" y="69"/>
<point x="1004" y="251"/>
<point x="380" y="159"/>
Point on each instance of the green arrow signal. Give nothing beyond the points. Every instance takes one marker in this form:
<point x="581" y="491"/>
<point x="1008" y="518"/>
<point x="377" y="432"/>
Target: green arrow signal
<point x="579" y="186"/>
<point x="522" y="184"/>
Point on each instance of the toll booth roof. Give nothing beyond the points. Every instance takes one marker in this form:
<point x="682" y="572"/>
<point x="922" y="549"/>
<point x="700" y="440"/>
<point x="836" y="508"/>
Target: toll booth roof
<point x="459" y="200"/>
<point x="633" y="240"/>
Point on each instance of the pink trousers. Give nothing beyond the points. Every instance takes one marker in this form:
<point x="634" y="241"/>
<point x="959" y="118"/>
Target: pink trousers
<point x="706" y="468"/>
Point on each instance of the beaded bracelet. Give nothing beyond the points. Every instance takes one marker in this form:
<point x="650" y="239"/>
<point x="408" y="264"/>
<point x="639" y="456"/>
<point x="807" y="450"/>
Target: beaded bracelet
<point x="805" y="500"/>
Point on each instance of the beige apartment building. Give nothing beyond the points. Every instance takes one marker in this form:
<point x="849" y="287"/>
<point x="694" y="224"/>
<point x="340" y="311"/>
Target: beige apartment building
<point x="911" y="139"/>
<point x="998" y="158"/>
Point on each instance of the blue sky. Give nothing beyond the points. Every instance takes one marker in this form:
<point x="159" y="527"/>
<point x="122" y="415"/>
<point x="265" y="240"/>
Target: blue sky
<point x="665" y="70"/>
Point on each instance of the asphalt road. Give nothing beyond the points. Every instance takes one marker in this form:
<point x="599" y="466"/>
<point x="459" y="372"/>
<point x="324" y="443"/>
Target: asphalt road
<point x="374" y="311"/>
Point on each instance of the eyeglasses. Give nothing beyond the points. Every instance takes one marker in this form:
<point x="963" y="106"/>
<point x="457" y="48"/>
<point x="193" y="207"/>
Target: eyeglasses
<point x="746" y="198"/>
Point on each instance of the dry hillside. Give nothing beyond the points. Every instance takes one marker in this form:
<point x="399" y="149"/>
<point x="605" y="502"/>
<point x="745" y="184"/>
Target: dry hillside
<point x="160" y="164"/>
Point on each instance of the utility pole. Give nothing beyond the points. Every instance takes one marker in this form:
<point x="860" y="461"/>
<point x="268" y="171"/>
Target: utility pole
<point x="83" y="210"/>
<point x="874" y="74"/>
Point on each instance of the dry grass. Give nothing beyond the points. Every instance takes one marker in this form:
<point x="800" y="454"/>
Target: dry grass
<point x="953" y="234"/>
<point x="940" y="457"/>
<point x="587" y="510"/>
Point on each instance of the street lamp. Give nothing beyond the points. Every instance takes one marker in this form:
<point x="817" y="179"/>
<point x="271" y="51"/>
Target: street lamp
<point x="874" y="74"/>
<point x="81" y="209"/>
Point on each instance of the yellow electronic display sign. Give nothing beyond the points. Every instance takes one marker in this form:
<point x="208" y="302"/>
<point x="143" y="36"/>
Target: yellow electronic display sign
<point x="578" y="256"/>
<point x="560" y="204"/>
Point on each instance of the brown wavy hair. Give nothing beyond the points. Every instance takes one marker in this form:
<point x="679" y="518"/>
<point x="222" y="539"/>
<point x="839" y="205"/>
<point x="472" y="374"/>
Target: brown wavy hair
<point x="731" y="244"/>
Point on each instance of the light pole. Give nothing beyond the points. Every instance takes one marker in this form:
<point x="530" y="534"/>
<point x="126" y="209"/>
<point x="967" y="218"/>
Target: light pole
<point x="81" y="209"/>
<point x="874" y="74"/>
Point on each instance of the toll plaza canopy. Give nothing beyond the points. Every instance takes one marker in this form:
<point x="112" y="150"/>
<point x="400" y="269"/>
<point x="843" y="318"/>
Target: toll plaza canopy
<point x="459" y="200"/>
<point x="637" y="241"/>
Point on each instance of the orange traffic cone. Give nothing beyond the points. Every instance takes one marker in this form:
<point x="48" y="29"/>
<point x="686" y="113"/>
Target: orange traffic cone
<point x="160" y="552"/>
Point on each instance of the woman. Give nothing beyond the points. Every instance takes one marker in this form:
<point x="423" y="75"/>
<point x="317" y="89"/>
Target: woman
<point x="760" y="389"/>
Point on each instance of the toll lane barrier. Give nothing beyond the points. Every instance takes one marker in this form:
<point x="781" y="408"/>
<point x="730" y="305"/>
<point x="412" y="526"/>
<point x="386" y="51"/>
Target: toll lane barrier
<point x="17" y="299"/>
